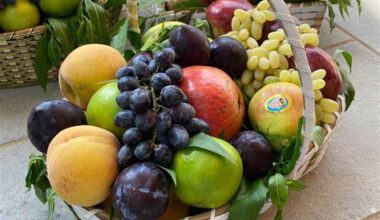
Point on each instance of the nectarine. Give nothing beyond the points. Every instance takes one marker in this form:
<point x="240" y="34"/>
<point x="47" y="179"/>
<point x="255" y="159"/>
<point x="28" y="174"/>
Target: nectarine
<point x="86" y="69"/>
<point x="82" y="164"/>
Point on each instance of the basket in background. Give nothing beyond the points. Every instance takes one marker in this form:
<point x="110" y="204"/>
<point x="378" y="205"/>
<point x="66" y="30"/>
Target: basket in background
<point x="17" y="58"/>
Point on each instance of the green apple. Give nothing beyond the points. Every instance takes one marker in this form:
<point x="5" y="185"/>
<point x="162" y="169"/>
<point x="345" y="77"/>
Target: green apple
<point x="102" y="109"/>
<point x="59" y="8"/>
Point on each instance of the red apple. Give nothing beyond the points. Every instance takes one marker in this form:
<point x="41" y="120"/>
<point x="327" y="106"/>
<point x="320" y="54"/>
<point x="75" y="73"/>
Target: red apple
<point x="221" y="12"/>
<point x="216" y="99"/>
<point x="319" y="59"/>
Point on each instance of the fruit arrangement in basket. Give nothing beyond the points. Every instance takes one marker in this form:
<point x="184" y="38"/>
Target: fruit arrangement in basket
<point x="189" y="124"/>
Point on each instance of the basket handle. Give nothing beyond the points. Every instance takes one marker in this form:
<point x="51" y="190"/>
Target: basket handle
<point x="302" y="65"/>
<point x="133" y="16"/>
<point x="300" y="59"/>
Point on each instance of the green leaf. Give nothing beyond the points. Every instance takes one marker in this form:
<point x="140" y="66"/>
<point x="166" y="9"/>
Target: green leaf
<point x="318" y="135"/>
<point x="41" y="194"/>
<point x="62" y="34"/>
<point x="114" y="3"/>
<point x="348" y="86"/>
<point x="331" y="14"/>
<point x="278" y="215"/>
<point x="54" y="52"/>
<point x="208" y="143"/>
<point x="129" y="54"/>
<point x="295" y="185"/>
<point x="98" y="17"/>
<point x="290" y="155"/>
<point x="346" y="55"/>
<point x="186" y="18"/>
<point x="42" y="63"/>
<point x="134" y="38"/>
<point x="278" y="190"/>
<point x="37" y="177"/>
<point x="188" y="4"/>
<point x="119" y="41"/>
<point x="249" y="201"/>
<point x="171" y="173"/>
<point x="51" y="202"/>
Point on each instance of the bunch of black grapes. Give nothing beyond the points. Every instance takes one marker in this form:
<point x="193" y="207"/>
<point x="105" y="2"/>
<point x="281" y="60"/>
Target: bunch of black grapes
<point x="4" y="3"/>
<point x="155" y="111"/>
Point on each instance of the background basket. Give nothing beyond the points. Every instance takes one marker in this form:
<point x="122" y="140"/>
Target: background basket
<point x="311" y="153"/>
<point x="17" y="48"/>
<point x="17" y="58"/>
<point x="311" y="13"/>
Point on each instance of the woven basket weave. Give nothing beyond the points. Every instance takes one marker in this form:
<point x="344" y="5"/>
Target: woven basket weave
<point x="17" y="58"/>
<point x="311" y="154"/>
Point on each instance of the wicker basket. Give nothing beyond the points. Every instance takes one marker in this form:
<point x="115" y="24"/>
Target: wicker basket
<point x="17" y="58"/>
<point x="311" y="154"/>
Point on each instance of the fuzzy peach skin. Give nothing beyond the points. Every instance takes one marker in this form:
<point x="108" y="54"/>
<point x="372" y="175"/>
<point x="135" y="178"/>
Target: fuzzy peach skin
<point x="82" y="164"/>
<point x="87" y="69"/>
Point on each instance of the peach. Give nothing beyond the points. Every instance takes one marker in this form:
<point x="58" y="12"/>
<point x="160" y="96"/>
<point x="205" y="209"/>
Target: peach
<point x="82" y="164"/>
<point x="87" y="69"/>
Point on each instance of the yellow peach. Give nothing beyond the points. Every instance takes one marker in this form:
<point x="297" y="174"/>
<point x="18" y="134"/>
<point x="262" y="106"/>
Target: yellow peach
<point x="82" y="164"/>
<point x="87" y="69"/>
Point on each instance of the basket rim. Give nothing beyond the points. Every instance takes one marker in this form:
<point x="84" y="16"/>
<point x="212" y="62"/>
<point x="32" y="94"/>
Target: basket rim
<point x="36" y="30"/>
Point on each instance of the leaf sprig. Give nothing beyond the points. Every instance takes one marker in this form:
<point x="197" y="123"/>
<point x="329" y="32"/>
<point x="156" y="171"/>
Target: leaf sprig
<point x="62" y="36"/>
<point x="37" y="178"/>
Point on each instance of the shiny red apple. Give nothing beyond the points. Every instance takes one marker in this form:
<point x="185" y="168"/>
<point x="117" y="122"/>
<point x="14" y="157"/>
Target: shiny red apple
<point x="319" y="59"/>
<point x="216" y="99"/>
<point x="221" y="12"/>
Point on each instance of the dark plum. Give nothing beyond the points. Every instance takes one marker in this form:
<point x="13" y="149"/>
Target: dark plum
<point x="146" y="121"/>
<point x="228" y="55"/>
<point x="256" y="153"/>
<point x="162" y="155"/>
<point x="143" y="150"/>
<point x="140" y="100"/>
<point x="48" y="118"/>
<point x="197" y="125"/>
<point x="141" y="192"/>
<point x="125" y="157"/>
<point x="191" y="46"/>
<point x="132" y="136"/>
<point x="182" y="113"/>
<point x="172" y="95"/>
<point x="125" y="119"/>
<point x="178" y="136"/>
